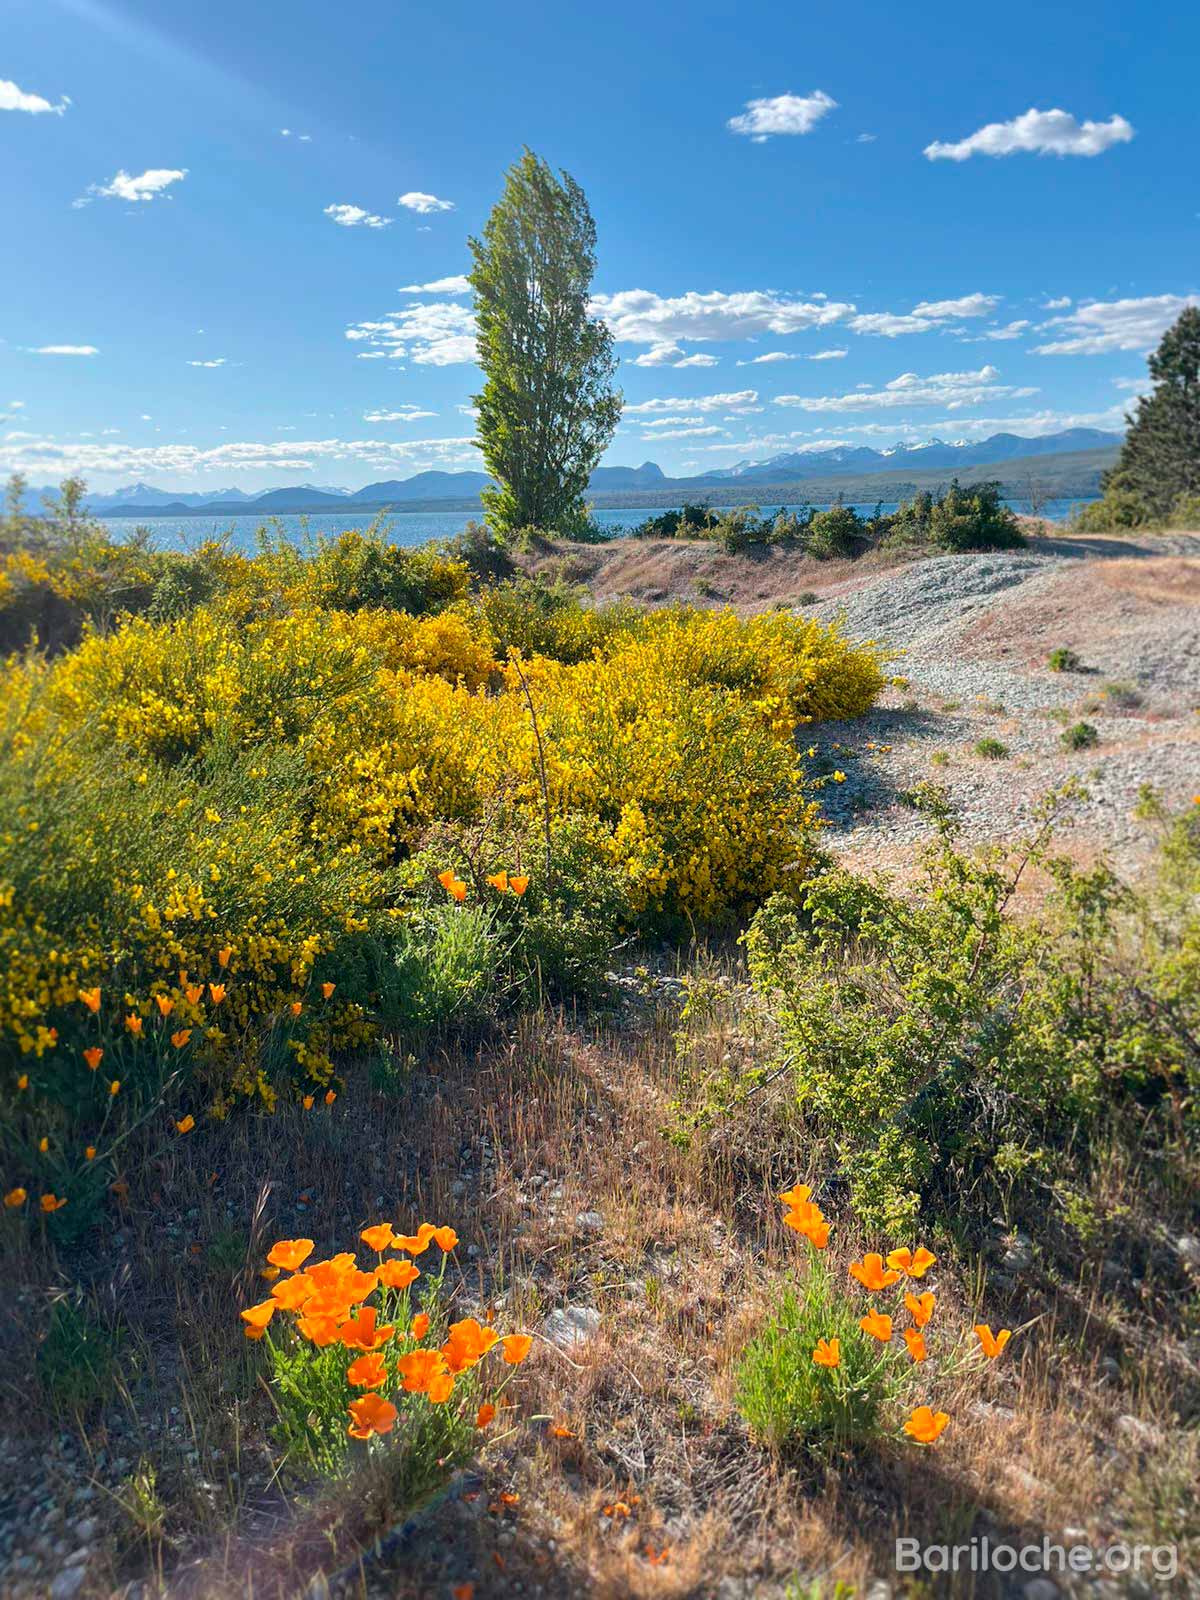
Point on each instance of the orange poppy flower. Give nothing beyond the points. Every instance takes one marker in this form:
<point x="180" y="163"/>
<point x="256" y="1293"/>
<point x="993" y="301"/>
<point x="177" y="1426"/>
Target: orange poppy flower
<point x="418" y="1369"/>
<point x="361" y="1333"/>
<point x="558" y="1431"/>
<point x="181" y="1037"/>
<point x="23" y="1081"/>
<point x="379" y="1237"/>
<point x="15" y="1197"/>
<point x="91" y="999"/>
<point x="920" y="1307"/>
<point x="224" y="955"/>
<point x="915" y="1263"/>
<point x="330" y="1096"/>
<point x="290" y="1254"/>
<point x="806" y="1218"/>
<point x="258" y="1316"/>
<point x="93" y="1056"/>
<point x="398" y="1275"/>
<point x="195" y="993"/>
<point x="441" y="1387"/>
<point x="183" y="977"/>
<point x="367" y="1372"/>
<point x="499" y="880"/>
<point x="828" y="1353"/>
<point x="371" y="1414"/>
<point x="51" y="1202"/>
<point x="798" y="1196"/>
<point x="89" y="1153"/>
<point x="289" y="1294"/>
<point x="267" y="1274"/>
<point x="916" y="1344"/>
<point x="307" y="1102"/>
<point x="516" y="1348"/>
<point x="419" y="1326"/>
<point x="217" y="992"/>
<point x="134" y="1024"/>
<point x="318" y="1330"/>
<point x="992" y="1344"/>
<point x="463" y="1591"/>
<point x="327" y="989"/>
<point x="186" y="1124"/>
<point x="925" y="1425"/>
<point x="485" y="1414"/>
<point x="114" y="1087"/>
<point x="871" y="1274"/>
<point x="43" y="1144"/>
<point x="458" y="890"/>
<point x="445" y="1238"/>
<point x="468" y="1342"/>
<point x="447" y="877"/>
<point x="518" y="885"/>
<point x="165" y="1004"/>
<point x="297" y="1006"/>
<point x="877" y="1325"/>
<point x="415" y="1243"/>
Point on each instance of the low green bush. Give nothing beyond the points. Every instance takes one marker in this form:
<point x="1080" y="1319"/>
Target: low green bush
<point x="991" y="750"/>
<point x="942" y="1045"/>
<point x="1080" y="736"/>
<point x="1063" y="659"/>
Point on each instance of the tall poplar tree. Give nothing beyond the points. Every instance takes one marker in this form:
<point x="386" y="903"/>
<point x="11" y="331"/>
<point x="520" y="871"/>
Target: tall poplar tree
<point x="548" y="408"/>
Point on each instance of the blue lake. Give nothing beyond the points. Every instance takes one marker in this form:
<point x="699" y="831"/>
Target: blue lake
<point x="404" y="528"/>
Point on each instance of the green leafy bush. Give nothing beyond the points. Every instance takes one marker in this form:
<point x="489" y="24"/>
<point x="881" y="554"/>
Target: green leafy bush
<point x="1063" y="659"/>
<point x="1080" y="736"/>
<point x="991" y="749"/>
<point x="941" y="1044"/>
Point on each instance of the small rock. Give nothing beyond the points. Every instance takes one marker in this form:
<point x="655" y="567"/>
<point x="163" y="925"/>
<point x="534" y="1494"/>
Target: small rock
<point x="572" y="1326"/>
<point x="86" y="1530"/>
<point x="1188" y="1248"/>
<point x="1139" y="1434"/>
<point x="881" y="1589"/>
<point x="991" y="1412"/>
<point x="1018" y="1254"/>
<point x="68" y="1584"/>
<point x="1110" y="1370"/>
<point x="590" y="1222"/>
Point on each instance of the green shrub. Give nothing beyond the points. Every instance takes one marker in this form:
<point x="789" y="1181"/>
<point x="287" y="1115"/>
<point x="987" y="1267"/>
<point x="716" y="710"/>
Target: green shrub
<point x="792" y="1405"/>
<point x="973" y="519"/>
<point x="834" y="534"/>
<point x="77" y="1358"/>
<point x="991" y="750"/>
<point x="1063" y="659"/>
<point x="941" y="1044"/>
<point x="1080" y="736"/>
<point x="1117" y="510"/>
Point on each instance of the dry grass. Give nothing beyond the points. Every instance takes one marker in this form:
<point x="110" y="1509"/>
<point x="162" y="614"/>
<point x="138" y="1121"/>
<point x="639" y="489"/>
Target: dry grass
<point x="512" y="1141"/>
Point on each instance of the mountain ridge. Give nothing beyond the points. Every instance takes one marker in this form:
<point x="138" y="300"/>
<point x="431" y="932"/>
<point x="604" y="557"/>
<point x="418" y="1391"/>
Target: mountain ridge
<point x="787" y="469"/>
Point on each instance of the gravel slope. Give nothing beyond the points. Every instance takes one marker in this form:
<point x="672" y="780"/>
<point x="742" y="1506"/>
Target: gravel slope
<point x="971" y="634"/>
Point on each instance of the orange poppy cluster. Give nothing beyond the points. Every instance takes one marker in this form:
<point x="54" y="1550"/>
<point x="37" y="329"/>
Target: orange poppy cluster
<point x="327" y="1300"/>
<point x="875" y="1273"/>
<point x="503" y="882"/>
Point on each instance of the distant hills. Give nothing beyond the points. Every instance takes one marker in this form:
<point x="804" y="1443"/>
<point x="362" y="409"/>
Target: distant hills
<point x="856" y="471"/>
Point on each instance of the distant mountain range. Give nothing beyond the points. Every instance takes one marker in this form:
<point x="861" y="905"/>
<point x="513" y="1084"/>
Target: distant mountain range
<point x="430" y="488"/>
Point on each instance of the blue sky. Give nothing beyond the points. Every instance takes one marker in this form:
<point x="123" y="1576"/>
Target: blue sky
<point x="948" y="222"/>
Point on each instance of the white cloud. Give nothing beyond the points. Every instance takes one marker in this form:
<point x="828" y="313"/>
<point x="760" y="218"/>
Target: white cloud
<point x="1010" y="330"/>
<point x="1101" y="326"/>
<point x="65" y="350"/>
<point x="455" y="285"/>
<point x="670" y="355"/>
<point x="925" y="316"/>
<point x="304" y="138"/>
<point x="637" y="316"/>
<point x="46" y="455"/>
<point x="949" y="389"/>
<point x="355" y="217"/>
<point x="680" y="433"/>
<point x="1043" y="133"/>
<point x="866" y="138"/>
<point x="1060" y="304"/>
<point x="668" y="422"/>
<point x="404" y="414"/>
<point x="708" y="402"/>
<point x="784" y="113"/>
<point x="773" y="356"/>
<point x="14" y="99"/>
<point x="431" y="333"/>
<point x="146" y="186"/>
<point x="423" y="204"/>
<point x="15" y="405"/>
<point x="219" y="361"/>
